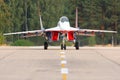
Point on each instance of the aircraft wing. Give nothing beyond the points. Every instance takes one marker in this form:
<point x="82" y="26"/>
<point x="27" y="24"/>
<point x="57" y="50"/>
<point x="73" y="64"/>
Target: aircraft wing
<point x="27" y="33"/>
<point x="99" y="31"/>
<point x="90" y="32"/>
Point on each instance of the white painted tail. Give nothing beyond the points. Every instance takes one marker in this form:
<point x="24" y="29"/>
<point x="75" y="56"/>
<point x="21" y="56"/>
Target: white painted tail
<point x="41" y="25"/>
<point x="76" y="21"/>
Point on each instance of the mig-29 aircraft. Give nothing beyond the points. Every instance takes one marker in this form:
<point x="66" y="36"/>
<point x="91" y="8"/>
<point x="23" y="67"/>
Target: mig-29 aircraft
<point x="63" y="30"/>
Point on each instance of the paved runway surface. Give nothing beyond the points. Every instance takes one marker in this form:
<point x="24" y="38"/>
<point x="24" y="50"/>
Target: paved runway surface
<point x="34" y="63"/>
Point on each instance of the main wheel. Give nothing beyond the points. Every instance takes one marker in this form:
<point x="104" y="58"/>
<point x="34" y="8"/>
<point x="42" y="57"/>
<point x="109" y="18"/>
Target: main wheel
<point x="77" y="45"/>
<point x="45" y="45"/>
<point x="61" y="46"/>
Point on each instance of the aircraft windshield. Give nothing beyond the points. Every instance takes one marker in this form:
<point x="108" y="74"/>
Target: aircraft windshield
<point x="64" y="19"/>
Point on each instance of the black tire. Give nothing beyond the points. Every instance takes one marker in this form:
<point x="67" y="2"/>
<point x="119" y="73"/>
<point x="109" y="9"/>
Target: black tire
<point x="61" y="46"/>
<point x="45" y="48"/>
<point x="77" y="45"/>
<point x="45" y="45"/>
<point x="77" y="48"/>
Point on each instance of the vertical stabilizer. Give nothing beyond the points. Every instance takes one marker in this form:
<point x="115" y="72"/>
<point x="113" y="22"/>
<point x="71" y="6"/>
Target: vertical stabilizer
<point x="76" y="20"/>
<point x="41" y="25"/>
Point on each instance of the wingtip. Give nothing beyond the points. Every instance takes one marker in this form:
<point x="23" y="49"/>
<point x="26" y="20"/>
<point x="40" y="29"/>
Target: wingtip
<point x="115" y="32"/>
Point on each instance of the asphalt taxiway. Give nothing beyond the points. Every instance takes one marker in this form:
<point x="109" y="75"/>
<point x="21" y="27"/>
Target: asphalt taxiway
<point x="34" y="63"/>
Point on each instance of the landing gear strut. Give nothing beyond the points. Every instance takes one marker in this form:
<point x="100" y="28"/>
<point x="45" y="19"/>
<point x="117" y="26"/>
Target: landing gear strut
<point x="45" y="45"/>
<point x="63" y="45"/>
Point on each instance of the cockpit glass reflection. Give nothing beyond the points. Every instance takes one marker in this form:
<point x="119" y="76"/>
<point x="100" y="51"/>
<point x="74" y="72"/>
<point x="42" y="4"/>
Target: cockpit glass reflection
<point x="64" y="19"/>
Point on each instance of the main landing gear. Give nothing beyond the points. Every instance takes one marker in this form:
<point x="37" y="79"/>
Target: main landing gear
<point x="45" y="45"/>
<point x="77" y="45"/>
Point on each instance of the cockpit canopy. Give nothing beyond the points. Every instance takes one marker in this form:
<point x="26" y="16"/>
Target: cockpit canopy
<point x="64" y="19"/>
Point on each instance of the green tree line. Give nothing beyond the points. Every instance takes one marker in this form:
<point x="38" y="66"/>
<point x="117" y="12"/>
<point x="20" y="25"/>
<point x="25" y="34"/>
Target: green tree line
<point x="22" y="15"/>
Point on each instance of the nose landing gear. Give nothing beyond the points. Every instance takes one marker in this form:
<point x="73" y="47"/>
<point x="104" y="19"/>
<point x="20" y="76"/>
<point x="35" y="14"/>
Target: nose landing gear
<point x="63" y="46"/>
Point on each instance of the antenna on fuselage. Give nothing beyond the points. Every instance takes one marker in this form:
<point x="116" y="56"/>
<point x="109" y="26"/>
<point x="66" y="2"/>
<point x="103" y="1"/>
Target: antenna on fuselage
<point x="76" y="19"/>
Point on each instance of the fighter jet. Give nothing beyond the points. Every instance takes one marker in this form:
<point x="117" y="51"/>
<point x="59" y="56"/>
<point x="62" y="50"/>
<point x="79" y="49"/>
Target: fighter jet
<point x="63" y="31"/>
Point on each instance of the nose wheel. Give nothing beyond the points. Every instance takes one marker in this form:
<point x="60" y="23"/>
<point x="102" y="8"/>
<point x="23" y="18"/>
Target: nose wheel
<point x="63" y="46"/>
